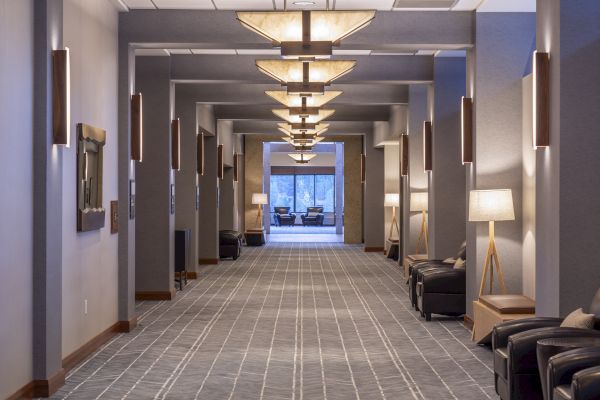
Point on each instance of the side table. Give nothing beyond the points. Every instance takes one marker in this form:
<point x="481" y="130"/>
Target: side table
<point x="491" y="310"/>
<point x="255" y="237"/>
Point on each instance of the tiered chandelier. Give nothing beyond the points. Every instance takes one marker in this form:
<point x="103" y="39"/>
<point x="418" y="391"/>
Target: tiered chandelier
<point x="306" y="39"/>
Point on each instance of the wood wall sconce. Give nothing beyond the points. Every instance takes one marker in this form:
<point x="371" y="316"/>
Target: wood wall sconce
<point x="137" y="134"/>
<point x="61" y="98"/>
<point x="175" y="144"/>
<point x="220" y="162"/>
<point x="236" y="167"/>
<point x="541" y="100"/>
<point x="363" y="168"/>
<point x="200" y="153"/>
<point x="404" y="155"/>
<point x="427" y="146"/>
<point x="466" y="129"/>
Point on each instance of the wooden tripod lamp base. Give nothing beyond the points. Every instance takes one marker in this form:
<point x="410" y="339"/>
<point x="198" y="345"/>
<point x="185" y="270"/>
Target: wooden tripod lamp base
<point x="423" y="240"/>
<point x="492" y="260"/>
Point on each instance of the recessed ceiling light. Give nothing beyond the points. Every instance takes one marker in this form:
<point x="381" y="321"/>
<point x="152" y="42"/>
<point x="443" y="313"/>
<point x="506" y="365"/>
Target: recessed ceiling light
<point x="304" y="3"/>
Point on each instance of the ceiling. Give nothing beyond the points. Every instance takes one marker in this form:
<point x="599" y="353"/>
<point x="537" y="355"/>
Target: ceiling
<point x="387" y="5"/>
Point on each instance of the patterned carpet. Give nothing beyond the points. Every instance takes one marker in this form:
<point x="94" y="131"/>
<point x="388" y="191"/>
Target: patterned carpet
<point x="289" y="321"/>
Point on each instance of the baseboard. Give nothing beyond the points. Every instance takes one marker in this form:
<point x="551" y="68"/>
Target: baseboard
<point x="159" y="296"/>
<point x="88" y="348"/>
<point x="190" y="274"/>
<point x="208" y="261"/>
<point x="127" y="326"/>
<point x="374" y="249"/>
<point x="468" y="322"/>
<point x="26" y="392"/>
<point x="47" y="387"/>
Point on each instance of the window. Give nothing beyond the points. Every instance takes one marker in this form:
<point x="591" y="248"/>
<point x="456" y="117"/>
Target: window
<point x="301" y="191"/>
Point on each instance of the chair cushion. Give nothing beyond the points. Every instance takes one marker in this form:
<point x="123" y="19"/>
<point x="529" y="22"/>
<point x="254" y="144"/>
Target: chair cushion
<point x="459" y="264"/>
<point x="509" y="303"/>
<point x="501" y="362"/>
<point x="563" y="392"/>
<point x="312" y="214"/>
<point x="578" y="319"/>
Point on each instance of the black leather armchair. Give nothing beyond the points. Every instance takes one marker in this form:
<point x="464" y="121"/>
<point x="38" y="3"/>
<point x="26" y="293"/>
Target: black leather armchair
<point x="442" y="291"/>
<point x="313" y="216"/>
<point x="516" y="374"/>
<point x="284" y="217"/>
<point x="571" y="375"/>
<point x="230" y="244"/>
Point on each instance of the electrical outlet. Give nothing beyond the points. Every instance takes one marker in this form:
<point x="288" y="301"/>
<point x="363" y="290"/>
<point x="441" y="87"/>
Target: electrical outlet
<point x="85" y="306"/>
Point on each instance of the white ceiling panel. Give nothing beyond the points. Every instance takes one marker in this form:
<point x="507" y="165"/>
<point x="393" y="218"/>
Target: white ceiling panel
<point x="385" y="5"/>
<point x="179" y="51"/>
<point x="451" y="53"/>
<point x="507" y="6"/>
<point x="259" y="52"/>
<point x="351" y="52"/>
<point x="139" y="4"/>
<point x="214" y="51"/>
<point x="467" y="5"/>
<point x="244" y="4"/>
<point x="185" y="4"/>
<point x="151" y="52"/>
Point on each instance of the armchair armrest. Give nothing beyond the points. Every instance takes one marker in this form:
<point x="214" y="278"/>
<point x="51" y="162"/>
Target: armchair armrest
<point x="503" y="331"/>
<point x="586" y="384"/>
<point x="563" y="366"/>
<point x="444" y="280"/>
<point x="522" y="346"/>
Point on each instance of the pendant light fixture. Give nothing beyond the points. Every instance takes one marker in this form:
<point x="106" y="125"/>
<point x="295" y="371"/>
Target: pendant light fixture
<point x="285" y="114"/>
<point x="290" y="131"/>
<point x="302" y="157"/>
<point x="290" y="101"/>
<point x="306" y="34"/>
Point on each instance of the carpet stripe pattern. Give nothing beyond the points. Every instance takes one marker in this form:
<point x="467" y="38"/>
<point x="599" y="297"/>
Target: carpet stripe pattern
<point x="289" y="321"/>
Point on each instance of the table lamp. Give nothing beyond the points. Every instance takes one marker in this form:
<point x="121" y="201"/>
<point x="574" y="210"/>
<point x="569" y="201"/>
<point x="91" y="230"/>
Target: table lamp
<point x="419" y="202"/>
<point x="491" y="205"/>
<point x="259" y="199"/>
<point x="393" y="200"/>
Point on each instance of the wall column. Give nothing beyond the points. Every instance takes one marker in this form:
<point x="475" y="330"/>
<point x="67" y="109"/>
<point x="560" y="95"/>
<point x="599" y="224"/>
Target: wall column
<point x="447" y="180"/>
<point x="503" y="50"/>
<point x="374" y="214"/>
<point x="339" y="188"/>
<point x="208" y="215"/>
<point x="155" y="223"/>
<point x="567" y="179"/>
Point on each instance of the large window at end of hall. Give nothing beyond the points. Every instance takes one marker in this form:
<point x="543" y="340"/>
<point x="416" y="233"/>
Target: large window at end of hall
<point x="301" y="191"/>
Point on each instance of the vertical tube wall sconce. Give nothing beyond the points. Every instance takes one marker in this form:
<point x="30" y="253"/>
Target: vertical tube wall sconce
<point x="363" y="168"/>
<point x="61" y="97"/>
<point x="236" y="167"/>
<point x="220" y="171"/>
<point x="137" y="133"/>
<point x="541" y="100"/>
<point x="200" y="153"/>
<point x="466" y="129"/>
<point x="427" y="146"/>
<point x="404" y="155"/>
<point x="175" y="144"/>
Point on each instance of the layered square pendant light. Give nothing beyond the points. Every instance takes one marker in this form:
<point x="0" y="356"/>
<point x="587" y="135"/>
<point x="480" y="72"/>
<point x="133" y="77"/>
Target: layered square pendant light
<point x="302" y="157"/>
<point x="287" y="129"/>
<point x="286" y="114"/>
<point x="292" y="101"/>
<point x="306" y="34"/>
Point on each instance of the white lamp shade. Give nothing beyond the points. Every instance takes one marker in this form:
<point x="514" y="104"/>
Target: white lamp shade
<point x="491" y="205"/>
<point x="419" y="201"/>
<point x="259" y="198"/>
<point x="392" y="200"/>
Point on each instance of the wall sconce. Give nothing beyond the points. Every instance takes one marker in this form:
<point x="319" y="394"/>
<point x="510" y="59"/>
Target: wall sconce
<point x="363" y="168"/>
<point x="175" y="144"/>
<point x="427" y="146"/>
<point x="236" y="167"/>
<point x="466" y="129"/>
<point x="541" y="100"/>
<point x="404" y="155"/>
<point x="200" y="153"/>
<point x="220" y="166"/>
<point x="137" y="134"/>
<point x="61" y="97"/>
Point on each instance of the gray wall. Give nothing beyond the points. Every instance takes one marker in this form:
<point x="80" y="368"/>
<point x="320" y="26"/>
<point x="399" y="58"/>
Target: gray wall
<point x="90" y="264"/>
<point x="154" y="222"/>
<point x="374" y="236"/>
<point x="503" y="50"/>
<point x="447" y="181"/>
<point x="16" y="174"/>
<point x="208" y="216"/>
<point x="567" y="179"/>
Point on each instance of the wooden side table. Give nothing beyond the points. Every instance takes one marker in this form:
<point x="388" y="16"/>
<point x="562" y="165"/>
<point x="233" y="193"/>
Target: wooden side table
<point x="255" y="237"/>
<point x="492" y="310"/>
<point x="411" y="259"/>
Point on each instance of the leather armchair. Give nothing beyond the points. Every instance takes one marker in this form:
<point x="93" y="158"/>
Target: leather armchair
<point x="230" y="244"/>
<point x="516" y="375"/>
<point x="442" y="291"/>
<point x="284" y="217"/>
<point x="313" y="216"/>
<point x="565" y="381"/>
<point x="413" y="276"/>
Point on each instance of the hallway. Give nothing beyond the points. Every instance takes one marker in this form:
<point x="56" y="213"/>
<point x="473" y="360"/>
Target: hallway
<point x="246" y="331"/>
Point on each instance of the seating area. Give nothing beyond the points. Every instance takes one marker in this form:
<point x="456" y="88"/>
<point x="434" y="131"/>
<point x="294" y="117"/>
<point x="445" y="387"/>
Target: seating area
<point x="313" y="216"/>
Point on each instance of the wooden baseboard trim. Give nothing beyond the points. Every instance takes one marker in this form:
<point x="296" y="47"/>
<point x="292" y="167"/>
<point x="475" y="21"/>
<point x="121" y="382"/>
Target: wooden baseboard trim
<point x="70" y="361"/>
<point x="208" y="261"/>
<point x="158" y="296"/>
<point x="47" y="387"/>
<point x="190" y="275"/>
<point x="127" y="326"/>
<point x="468" y="322"/>
<point x="374" y="249"/>
<point x="26" y="392"/>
